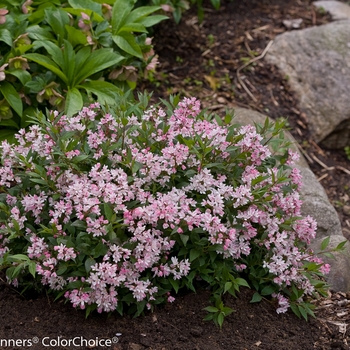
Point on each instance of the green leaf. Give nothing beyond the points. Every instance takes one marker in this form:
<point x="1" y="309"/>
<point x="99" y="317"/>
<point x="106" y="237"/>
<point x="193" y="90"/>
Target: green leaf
<point x="340" y="246"/>
<point x="216" y="4"/>
<point x="151" y="20"/>
<point x="17" y="258"/>
<point x="302" y="312"/>
<point x="268" y="290"/>
<point x="220" y="319"/>
<point x="74" y="285"/>
<point x="141" y="12"/>
<point x="174" y="284"/>
<point x="88" y="64"/>
<point x="241" y="282"/>
<point x="194" y="254"/>
<point x="133" y="27"/>
<point x="12" y="97"/>
<point x="8" y="135"/>
<point x="69" y="63"/>
<point x="86" y="4"/>
<point x="39" y="33"/>
<point x="184" y="238"/>
<point x="39" y="181"/>
<point x="22" y="75"/>
<point x="106" y="92"/>
<point x="79" y="159"/>
<point x="127" y="42"/>
<point x="211" y="309"/>
<point x="256" y="298"/>
<point x="325" y="243"/>
<point x="79" y="224"/>
<point x="77" y="13"/>
<point x="47" y="63"/>
<point x="8" y="122"/>
<point x="295" y="309"/>
<point x="109" y="2"/>
<point x="5" y="36"/>
<point x="62" y="269"/>
<point x="208" y="317"/>
<point x="74" y="102"/>
<point x="121" y="10"/>
<point x="76" y="36"/>
<point x="228" y="286"/>
<point x="88" y="263"/>
<point x="140" y="307"/>
<point x="57" y="19"/>
<point x="100" y="250"/>
<point x="227" y="310"/>
<point x="109" y="212"/>
<point x="32" y="268"/>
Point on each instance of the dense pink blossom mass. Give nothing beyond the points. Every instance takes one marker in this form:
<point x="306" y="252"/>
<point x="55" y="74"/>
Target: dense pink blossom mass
<point x="152" y="178"/>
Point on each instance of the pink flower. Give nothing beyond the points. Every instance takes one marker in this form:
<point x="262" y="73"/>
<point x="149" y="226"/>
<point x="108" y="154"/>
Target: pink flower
<point x="26" y="6"/>
<point x="84" y="21"/>
<point x="167" y="8"/>
<point x="3" y="13"/>
<point x="2" y="69"/>
<point x="283" y="303"/>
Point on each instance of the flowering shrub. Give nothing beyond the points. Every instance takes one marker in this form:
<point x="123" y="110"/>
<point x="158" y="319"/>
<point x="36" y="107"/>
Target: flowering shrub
<point x="121" y="209"/>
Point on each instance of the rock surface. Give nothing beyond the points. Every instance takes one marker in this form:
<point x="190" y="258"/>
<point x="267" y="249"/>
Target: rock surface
<point x="317" y="205"/>
<point x="338" y="277"/>
<point x="316" y="62"/>
<point x="338" y="10"/>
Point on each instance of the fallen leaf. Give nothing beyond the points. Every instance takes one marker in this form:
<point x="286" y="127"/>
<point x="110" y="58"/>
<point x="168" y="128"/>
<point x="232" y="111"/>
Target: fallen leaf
<point x="213" y="82"/>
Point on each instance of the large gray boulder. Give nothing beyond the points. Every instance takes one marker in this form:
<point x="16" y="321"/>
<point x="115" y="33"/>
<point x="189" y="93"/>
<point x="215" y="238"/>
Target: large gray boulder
<point x="316" y="62"/>
<point x="315" y="204"/>
<point x="338" y="10"/>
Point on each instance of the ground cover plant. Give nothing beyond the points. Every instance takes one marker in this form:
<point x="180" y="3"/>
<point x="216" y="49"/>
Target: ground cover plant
<point x="119" y="209"/>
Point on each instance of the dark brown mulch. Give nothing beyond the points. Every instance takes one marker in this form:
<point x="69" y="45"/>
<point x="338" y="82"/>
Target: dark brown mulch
<point x="202" y="60"/>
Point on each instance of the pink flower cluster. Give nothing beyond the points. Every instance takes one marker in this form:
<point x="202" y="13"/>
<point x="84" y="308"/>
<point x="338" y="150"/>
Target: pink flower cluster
<point x="143" y="180"/>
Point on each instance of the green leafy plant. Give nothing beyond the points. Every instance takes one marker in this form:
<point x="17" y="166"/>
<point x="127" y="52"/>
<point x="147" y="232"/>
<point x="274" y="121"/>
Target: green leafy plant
<point x="61" y="54"/>
<point x="347" y="151"/>
<point x="218" y="312"/>
<point x="177" y="7"/>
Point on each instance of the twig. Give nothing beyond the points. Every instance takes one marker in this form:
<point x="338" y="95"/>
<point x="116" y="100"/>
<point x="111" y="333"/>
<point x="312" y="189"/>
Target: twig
<point x="322" y="177"/>
<point x="273" y="99"/>
<point x="250" y="84"/>
<point x="323" y="165"/>
<point x="305" y="154"/>
<point x="259" y="29"/>
<point x="320" y="150"/>
<point x="343" y="169"/>
<point x="246" y="65"/>
<point x="216" y="106"/>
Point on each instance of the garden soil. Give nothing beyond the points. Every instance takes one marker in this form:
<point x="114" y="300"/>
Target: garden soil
<point x="205" y="60"/>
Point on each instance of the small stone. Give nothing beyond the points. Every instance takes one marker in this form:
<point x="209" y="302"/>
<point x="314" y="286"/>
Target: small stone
<point x="133" y="346"/>
<point x="196" y="331"/>
<point x="292" y="23"/>
<point x="346" y="209"/>
<point x="182" y="338"/>
<point x="146" y="341"/>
